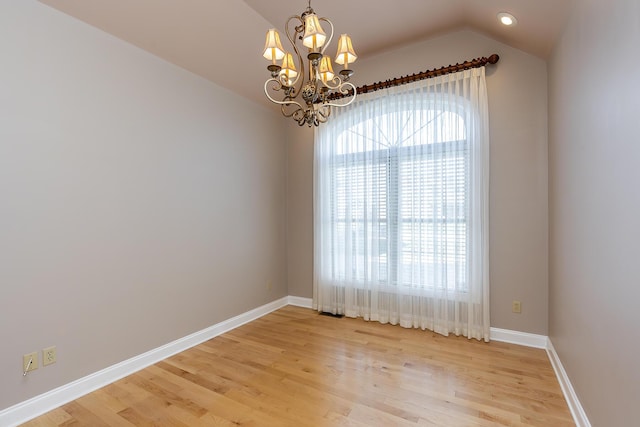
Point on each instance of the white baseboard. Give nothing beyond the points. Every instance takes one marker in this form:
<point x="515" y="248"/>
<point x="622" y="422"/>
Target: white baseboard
<point x="543" y="342"/>
<point x="496" y="334"/>
<point x="32" y="408"/>
<point x="300" y="301"/>
<point x="521" y="338"/>
<point x="579" y="415"/>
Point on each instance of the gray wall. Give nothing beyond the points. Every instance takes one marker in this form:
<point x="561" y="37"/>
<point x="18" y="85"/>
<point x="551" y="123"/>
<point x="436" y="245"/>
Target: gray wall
<point x="517" y="89"/>
<point x="594" y="201"/>
<point x="300" y="210"/>
<point x="134" y="210"/>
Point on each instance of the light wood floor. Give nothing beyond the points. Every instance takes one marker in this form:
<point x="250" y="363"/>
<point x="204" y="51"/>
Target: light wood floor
<point x="295" y="367"/>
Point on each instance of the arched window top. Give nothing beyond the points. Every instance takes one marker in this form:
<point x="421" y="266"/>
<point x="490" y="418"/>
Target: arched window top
<point x="401" y="126"/>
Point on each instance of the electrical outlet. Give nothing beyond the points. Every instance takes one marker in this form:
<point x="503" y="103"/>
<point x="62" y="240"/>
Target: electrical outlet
<point x="30" y="362"/>
<point x="49" y="355"/>
<point x="516" y="307"/>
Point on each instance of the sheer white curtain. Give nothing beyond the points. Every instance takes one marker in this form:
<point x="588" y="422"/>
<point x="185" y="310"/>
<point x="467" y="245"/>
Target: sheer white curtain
<point x="401" y="183"/>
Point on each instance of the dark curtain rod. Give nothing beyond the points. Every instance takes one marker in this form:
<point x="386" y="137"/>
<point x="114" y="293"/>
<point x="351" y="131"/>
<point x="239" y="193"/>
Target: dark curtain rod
<point x="398" y="81"/>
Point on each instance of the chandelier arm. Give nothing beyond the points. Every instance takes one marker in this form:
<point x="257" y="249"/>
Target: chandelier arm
<point x="326" y="44"/>
<point x="343" y="91"/>
<point x="275" y="101"/>
<point x="287" y="115"/>
<point x="335" y="83"/>
<point x="300" y="77"/>
<point x="324" y="113"/>
<point x="283" y="109"/>
<point x="300" y="117"/>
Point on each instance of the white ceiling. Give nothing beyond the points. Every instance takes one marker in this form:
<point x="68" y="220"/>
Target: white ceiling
<point x="222" y="40"/>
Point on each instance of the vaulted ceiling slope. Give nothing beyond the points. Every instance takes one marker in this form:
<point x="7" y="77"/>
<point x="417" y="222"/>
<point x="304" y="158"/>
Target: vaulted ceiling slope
<point x="221" y="40"/>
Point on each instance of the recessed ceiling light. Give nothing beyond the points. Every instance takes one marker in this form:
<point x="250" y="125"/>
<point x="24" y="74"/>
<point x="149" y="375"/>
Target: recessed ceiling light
<point x="507" y="19"/>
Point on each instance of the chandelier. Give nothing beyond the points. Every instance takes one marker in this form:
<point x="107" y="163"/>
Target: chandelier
<point x="320" y="87"/>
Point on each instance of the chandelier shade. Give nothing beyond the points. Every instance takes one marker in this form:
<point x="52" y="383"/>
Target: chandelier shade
<point x="314" y="36"/>
<point x="273" y="48"/>
<point x="308" y="95"/>
<point x="326" y="69"/>
<point x="288" y="69"/>
<point x="346" y="55"/>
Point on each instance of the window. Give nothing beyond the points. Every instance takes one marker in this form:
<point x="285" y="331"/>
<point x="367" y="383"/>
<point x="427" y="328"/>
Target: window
<point x="401" y="207"/>
<point x="401" y="201"/>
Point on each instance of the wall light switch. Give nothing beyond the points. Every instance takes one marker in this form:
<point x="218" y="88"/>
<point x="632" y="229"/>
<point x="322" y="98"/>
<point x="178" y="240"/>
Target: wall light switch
<point x="30" y="362"/>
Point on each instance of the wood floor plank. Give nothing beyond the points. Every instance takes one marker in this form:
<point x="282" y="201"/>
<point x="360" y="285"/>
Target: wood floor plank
<point x="294" y="367"/>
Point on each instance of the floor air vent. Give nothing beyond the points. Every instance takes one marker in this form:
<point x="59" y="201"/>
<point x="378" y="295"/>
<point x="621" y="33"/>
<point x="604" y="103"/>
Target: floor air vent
<point x="326" y="313"/>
